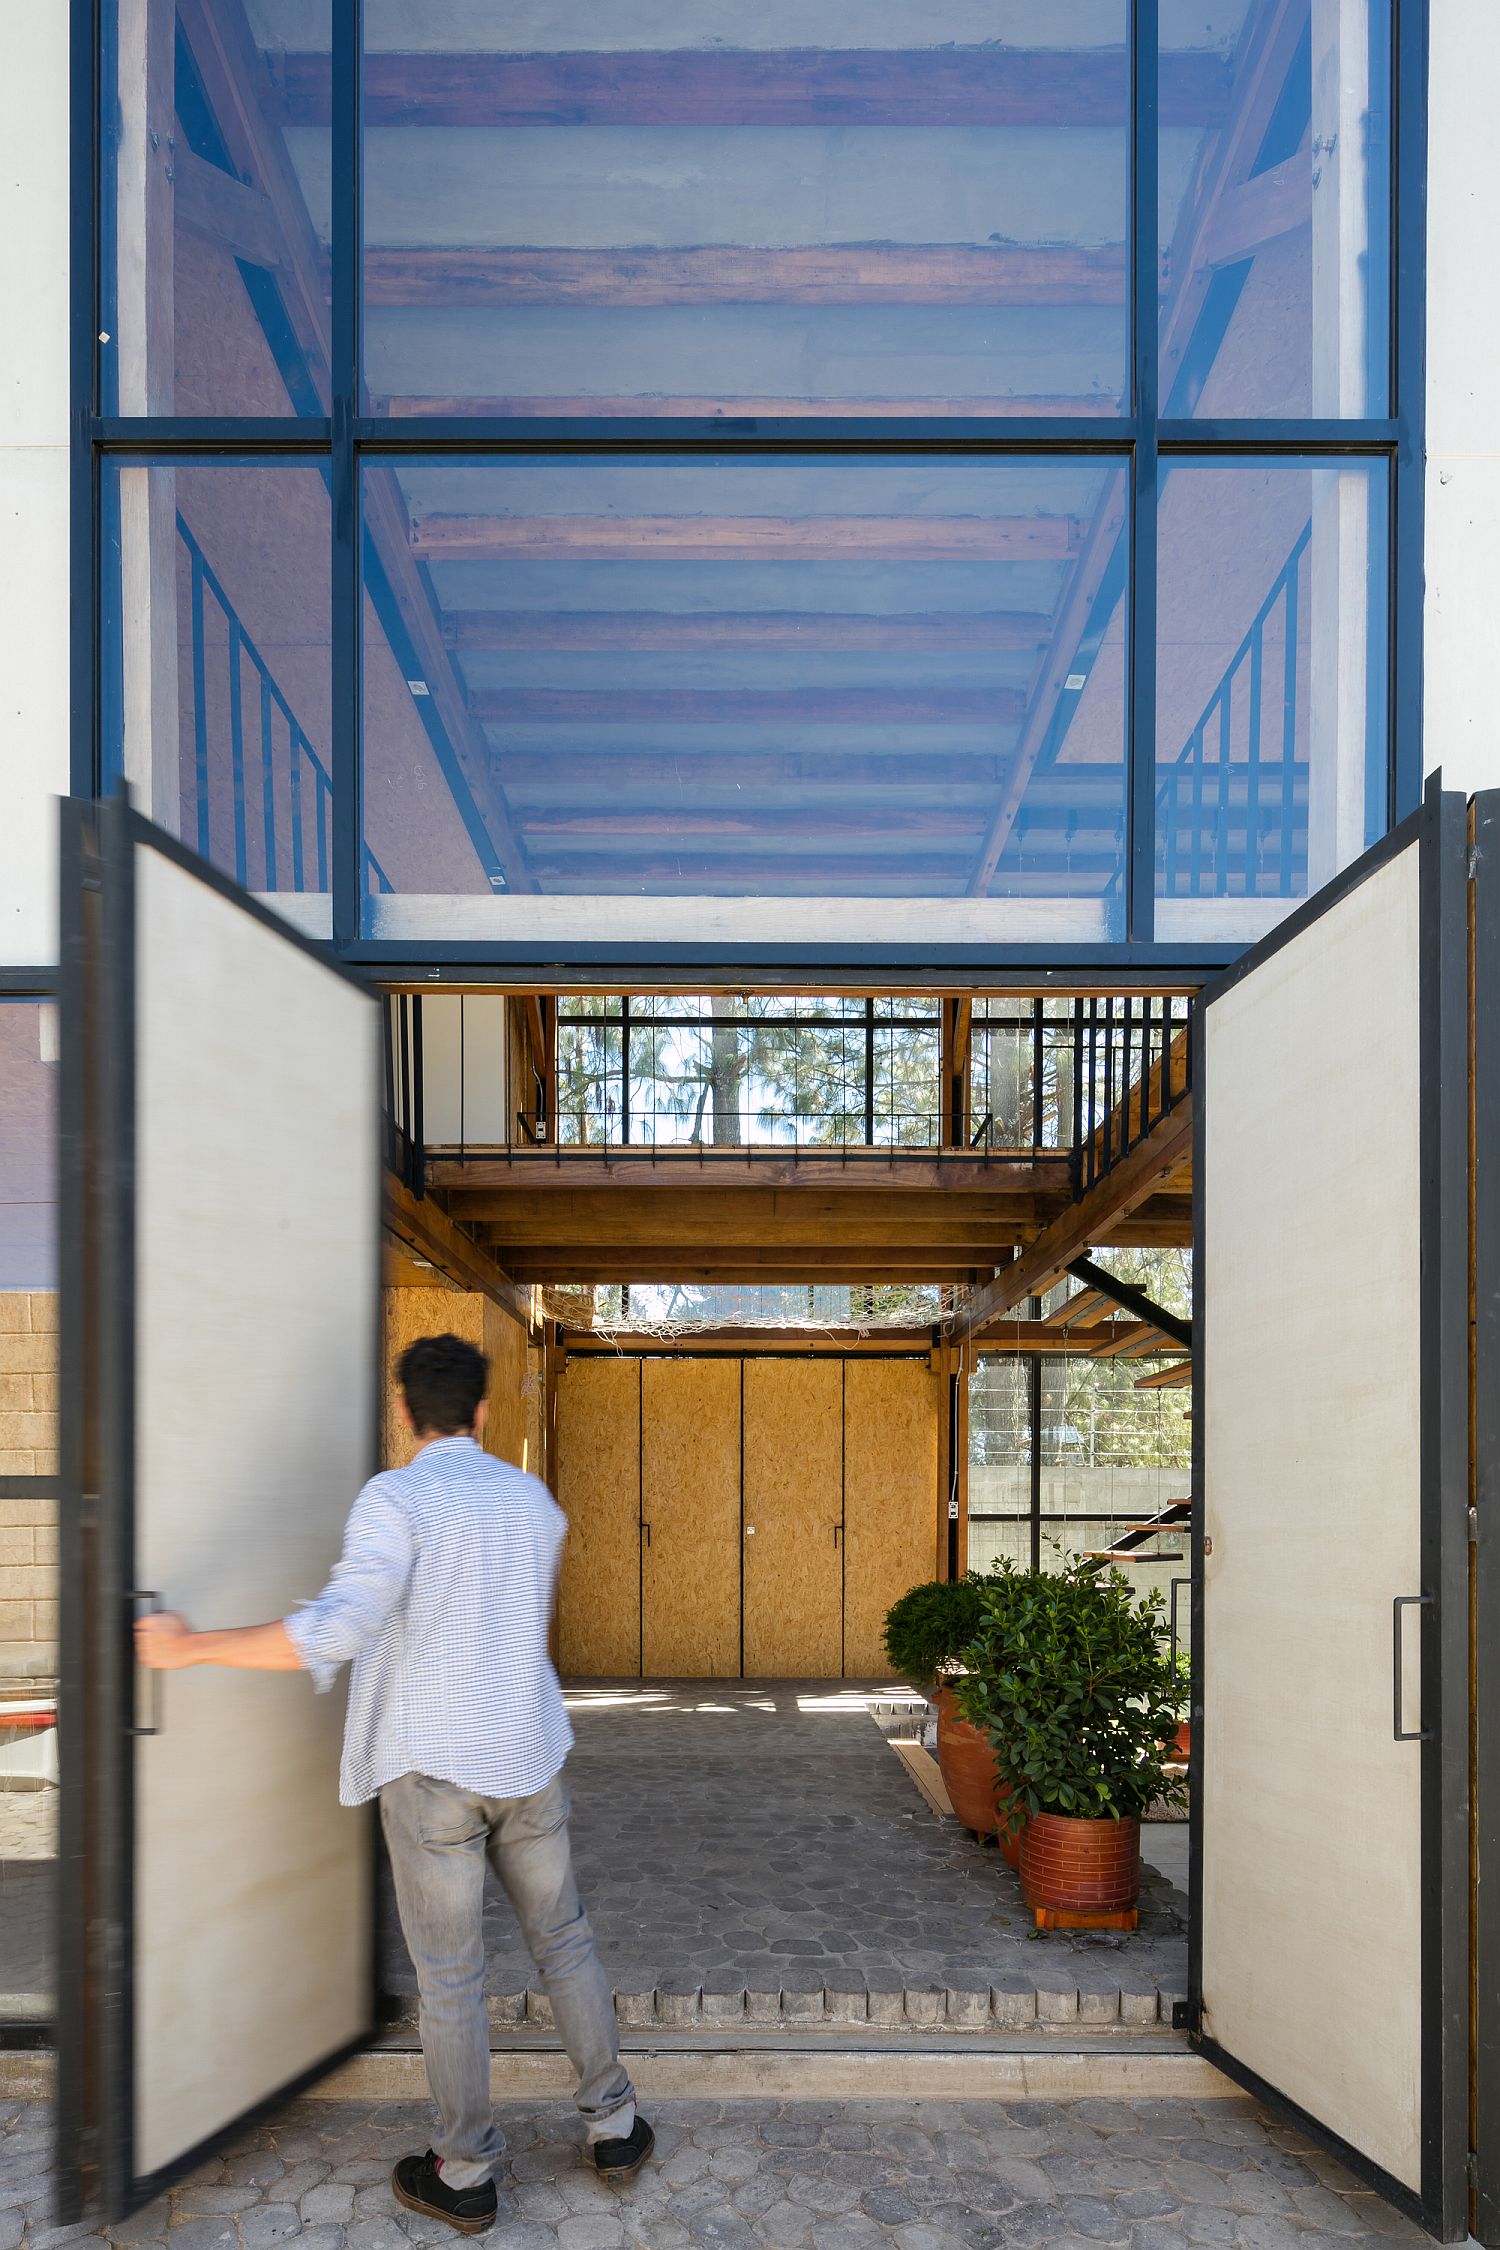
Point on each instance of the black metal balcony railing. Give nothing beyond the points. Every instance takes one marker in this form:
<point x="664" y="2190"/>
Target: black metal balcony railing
<point x="279" y="799"/>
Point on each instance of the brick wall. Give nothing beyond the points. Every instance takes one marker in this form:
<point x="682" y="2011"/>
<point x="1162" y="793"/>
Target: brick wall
<point x="28" y="1524"/>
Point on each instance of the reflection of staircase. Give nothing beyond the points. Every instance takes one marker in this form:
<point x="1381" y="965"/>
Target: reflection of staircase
<point x="280" y="795"/>
<point x="1231" y="810"/>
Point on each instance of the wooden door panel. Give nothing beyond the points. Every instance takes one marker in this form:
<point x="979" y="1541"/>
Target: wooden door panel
<point x="891" y="1420"/>
<point x="599" y="1491"/>
<point x="690" y="1499"/>
<point x="794" y="1565"/>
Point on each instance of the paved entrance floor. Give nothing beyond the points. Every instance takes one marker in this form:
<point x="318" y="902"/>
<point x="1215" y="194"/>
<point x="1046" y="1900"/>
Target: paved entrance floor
<point x="755" y="1849"/>
<point x="1150" y="2175"/>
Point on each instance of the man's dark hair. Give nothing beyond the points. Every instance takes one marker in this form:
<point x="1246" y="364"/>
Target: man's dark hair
<point x="443" y="1379"/>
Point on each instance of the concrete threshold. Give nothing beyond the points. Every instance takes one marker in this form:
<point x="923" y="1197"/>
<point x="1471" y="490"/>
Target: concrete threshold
<point x="826" y="2070"/>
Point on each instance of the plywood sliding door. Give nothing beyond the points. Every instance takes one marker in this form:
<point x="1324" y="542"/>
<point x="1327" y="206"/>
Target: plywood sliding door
<point x="891" y="1417"/>
<point x="794" y="1510"/>
<point x="690" y="1505"/>
<point x="599" y="1490"/>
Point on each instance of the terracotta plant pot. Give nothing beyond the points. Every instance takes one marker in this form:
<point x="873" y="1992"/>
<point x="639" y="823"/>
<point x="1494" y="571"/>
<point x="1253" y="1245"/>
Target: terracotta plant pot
<point x="1184" y="1740"/>
<point x="1081" y="1866"/>
<point x="967" y="1763"/>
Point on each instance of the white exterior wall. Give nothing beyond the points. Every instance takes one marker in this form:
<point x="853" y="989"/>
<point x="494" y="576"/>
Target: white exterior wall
<point x="33" y="472"/>
<point x="1462" y="663"/>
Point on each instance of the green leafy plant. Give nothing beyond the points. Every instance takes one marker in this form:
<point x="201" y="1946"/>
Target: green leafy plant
<point x="1067" y="1674"/>
<point x="928" y="1629"/>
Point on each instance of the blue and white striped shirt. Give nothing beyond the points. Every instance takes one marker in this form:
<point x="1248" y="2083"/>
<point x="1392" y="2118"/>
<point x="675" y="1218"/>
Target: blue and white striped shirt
<point x="442" y="1599"/>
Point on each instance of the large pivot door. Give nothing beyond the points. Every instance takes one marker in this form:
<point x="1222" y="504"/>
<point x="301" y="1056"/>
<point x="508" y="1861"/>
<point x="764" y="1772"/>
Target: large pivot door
<point x="1330" y="1423"/>
<point x="220" y="1300"/>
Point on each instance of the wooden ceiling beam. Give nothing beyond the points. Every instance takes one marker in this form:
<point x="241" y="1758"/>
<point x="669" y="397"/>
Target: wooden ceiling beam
<point x="423" y="1230"/>
<point x="1102" y="1208"/>
<point x="889" y="1171"/>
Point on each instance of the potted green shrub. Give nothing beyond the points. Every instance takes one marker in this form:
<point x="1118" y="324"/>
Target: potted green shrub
<point x="1068" y="1677"/>
<point x="1183" y="1706"/>
<point x="926" y="1633"/>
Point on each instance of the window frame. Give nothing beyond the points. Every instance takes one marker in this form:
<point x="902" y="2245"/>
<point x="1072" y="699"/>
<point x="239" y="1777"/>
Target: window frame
<point x="1141" y="439"/>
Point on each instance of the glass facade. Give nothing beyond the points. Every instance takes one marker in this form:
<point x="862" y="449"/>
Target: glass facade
<point x="738" y="504"/>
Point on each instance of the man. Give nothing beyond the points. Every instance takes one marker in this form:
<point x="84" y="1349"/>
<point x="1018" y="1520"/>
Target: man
<point x="442" y="1599"/>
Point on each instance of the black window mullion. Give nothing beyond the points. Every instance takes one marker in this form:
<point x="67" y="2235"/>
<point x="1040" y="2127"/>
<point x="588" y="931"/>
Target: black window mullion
<point x="1140" y="738"/>
<point x="348" y="856"/>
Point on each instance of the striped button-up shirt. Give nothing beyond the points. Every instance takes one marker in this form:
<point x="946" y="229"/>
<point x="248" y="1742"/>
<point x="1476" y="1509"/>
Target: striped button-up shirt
<point x="441" y="1600"/>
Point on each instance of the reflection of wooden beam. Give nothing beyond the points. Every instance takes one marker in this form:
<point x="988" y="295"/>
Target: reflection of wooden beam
<point x="234" y="78"/>
<point x="977" y="538"/>
<point x="834" y="820"/>
<point x="578" y="775"/>
<point x="897" y="874"/>
<point x="936" y="86"/>
<point x="1273" y="32"/>
<point x="426" y="1232"/>
<point x="385" y="515"/>
<point x="870" y="273"/>
<point x="748" y="707"/>
<point x="1121" y="1190"/>
<point x="239" y="219"/>
<point x="1260" y="210"/>
<point x="772" y="629"/>
<point x="1053" y="670"/>
<point x="696" y="406"/>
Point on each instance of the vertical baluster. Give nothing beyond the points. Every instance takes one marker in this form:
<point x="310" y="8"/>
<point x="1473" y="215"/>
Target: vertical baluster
<point x="322" y="807"/>
<point x="1076" y="1161"/>
<point x="294" y="768"/>
<point x="268" y="780"/>
<point x="1253" y="764"/>
<point x="1109" y="1084"/>
<point x="1289" y="736"/>
<point x="392" y="1142"/>
<point x="1221" y="822"/>
<point x="1171" y="812"/>
<point x="237" y="750"/>
<point x="200" y="703"/>
<point x="1195" y="832"/>
<point x="1038" y="1089"/>
<point x="406" y="1088"/>
<point x="1127" y="1138"/>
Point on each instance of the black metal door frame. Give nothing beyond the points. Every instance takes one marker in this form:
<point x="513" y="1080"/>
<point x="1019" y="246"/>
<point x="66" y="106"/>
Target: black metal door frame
<point x="1438" y="832"/>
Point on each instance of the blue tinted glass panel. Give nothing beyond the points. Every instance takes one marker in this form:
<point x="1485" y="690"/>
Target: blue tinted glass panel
<point x="216" y="234"/>
<point x="218" y="703"/>
<point x="1271" y="705"/>
<point x="701" y="209"/>
<point x="1275" y="202"/>
<point x="746" y="680"/>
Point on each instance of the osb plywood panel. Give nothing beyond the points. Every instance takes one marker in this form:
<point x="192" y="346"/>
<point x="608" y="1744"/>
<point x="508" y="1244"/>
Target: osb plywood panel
<point x="891" y="1424"/>
<point x="690" y="1497"/>
<point x="410" y="1313"/>
<point x="794" y="1566"/>
<point x="599" y="1490"/>
<point x="505" y="1346"/>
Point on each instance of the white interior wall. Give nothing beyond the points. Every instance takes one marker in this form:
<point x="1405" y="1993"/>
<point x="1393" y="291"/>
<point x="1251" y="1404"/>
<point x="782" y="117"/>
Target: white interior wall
<point x="33" y="473"/>
<point x="1462" y="660"/>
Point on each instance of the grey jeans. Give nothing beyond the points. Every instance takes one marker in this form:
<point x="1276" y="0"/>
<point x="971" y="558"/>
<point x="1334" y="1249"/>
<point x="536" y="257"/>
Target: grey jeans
<point x="439" y="1838"/>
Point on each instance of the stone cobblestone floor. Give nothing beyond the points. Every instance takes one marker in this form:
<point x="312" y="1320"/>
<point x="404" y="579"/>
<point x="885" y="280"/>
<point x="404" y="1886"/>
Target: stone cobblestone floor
<point x="924" y="2175"/>
<point x="762" y="1833"/>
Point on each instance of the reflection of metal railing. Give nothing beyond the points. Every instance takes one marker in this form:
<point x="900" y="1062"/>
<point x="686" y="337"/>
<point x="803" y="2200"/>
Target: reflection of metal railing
<point x="1227" y="813"/>
<point x="280" y="796"/>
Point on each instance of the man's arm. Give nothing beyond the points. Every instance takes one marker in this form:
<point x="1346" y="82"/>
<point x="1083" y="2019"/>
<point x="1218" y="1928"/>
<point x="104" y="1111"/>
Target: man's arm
<point x="167" y="1643"/>
<point x="368" y="1581"/>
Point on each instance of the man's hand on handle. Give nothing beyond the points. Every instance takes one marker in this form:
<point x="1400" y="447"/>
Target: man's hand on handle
<point x="167" y="1643"/>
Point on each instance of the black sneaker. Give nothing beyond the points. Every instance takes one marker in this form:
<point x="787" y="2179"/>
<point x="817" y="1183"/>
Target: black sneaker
<point x="622" y="2159"/>
<point x="418" y="2182"/>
